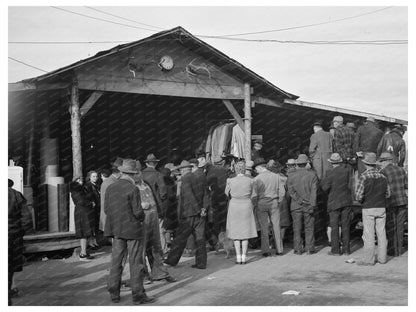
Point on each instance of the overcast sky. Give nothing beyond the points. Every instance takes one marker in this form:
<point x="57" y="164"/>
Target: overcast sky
<point x="372" y="78"/>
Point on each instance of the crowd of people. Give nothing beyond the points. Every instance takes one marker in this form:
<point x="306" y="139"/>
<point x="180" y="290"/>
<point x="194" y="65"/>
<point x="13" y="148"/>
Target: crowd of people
<point x="154" y="215"/>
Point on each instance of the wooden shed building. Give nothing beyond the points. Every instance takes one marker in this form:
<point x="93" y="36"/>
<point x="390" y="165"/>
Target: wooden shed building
<point x="150" y="96"/>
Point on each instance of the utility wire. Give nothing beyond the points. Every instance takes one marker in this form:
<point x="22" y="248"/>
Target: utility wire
<point x="101" y="19"/>
<point x="305" y="26"/>
<point x="13" y="59"/>
<point x="317" y="42"/>
<point x="123" y="18"/>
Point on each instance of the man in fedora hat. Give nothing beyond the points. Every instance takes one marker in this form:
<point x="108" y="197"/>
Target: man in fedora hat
<point x="155" y="180"/>
<point x="393" y="143"/>
<point x="343" y="139"/>
<point x="290" y="166"/>
<point x="302" y="187"/>
<point x="320" y="149"/>
<point x="268" y="190"/>
<point x="366" y="140"/>
<point x="124" y="224"/>
<point x="153" y="247"/>
<point x="337" y="184"/>
<point x="191" y="220"/>
<point x="371" y="191"/>
<point x="396" y="209"/>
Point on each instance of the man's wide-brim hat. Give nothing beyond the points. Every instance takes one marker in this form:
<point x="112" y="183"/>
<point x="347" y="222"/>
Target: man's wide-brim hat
<point x="259" y="161"/>
<point x="338" y="119"/>
<point x="302" y="159"/>
<point x="370" y="159"/>
<point x="335" y="158"/>
<point x="151" y="158"/>
<point x="318" y="123"/>
<point x="185" y="164"/>
<point x="129" y="166"/>
<point x="386" y="156"/>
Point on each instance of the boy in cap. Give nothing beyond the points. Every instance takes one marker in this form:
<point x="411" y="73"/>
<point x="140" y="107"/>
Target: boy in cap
<point x="302" y="187"/>
<point x="371" y="191"/>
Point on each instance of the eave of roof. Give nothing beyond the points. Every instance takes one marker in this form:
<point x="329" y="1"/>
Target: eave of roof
<point x="185" y="38"/>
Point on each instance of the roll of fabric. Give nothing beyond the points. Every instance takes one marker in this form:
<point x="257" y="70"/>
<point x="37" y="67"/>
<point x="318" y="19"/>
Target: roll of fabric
<point x="53" y="211"/>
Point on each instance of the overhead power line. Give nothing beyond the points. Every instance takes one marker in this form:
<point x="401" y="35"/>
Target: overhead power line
<point x="123" y="18"/>
<point x="316" y="42"/>
<point x="101" y="19"/>
<point x="305" y="26"/>
<point x="21" y="62"/>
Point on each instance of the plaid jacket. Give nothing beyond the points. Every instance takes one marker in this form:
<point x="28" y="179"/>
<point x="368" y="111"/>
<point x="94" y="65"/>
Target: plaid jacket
<point x="397" y="180"/>
<point x="343" y="142"/>
<point x="368" y="195"/>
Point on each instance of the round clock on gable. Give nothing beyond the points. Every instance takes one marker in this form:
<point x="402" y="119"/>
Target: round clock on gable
<point x="166" y="62"/>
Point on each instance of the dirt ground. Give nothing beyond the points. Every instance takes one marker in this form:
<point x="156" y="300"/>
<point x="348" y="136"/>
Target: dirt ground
<point x="320" y="279"/>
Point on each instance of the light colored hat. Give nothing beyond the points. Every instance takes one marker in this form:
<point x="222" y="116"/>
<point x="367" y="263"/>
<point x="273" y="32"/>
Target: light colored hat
<point x="185" y="164"/>
<point x="370" y="159"/>
<point x="335" y="158"/>
<point x="249" y="164"/>
<point x="338" y="118"/>
<point x="350" y="125"/>
<point x="129" y="166"/>
<point x="151" y="158"/>
<point x="302" y="159"/>
<point x="369" y="118"/>
<point x="385" y="156"/>
<point x="291" y="161"/>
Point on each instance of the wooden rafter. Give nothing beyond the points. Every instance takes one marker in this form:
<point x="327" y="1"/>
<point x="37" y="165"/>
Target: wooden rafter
<point x="234" y="113"/>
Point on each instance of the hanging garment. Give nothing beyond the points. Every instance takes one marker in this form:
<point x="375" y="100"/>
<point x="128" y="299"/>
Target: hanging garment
<point x="237" y="142"/>
<point x="216" y="147"/>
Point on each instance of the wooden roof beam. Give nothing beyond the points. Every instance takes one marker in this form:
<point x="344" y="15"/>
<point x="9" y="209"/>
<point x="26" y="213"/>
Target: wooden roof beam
<point x="94" y="97"/>
<point x="234" y="113"/>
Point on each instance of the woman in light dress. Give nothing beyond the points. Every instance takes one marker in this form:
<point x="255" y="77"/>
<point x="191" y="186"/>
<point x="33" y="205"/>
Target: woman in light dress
<point x="241" y="224"/>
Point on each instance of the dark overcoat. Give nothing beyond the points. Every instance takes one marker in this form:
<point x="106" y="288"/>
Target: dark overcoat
<point x="84" y="214"/>
<point x="155" y="180"/>
<point x="189" y="204"/>
<point x="367" y="138"/>
<point x="338" y="184"/>
<point x="122" y="205"/>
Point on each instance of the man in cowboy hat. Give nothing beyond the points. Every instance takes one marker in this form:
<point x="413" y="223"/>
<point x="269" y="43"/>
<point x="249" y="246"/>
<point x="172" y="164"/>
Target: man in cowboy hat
<point x="268" y="190"/>
<point x="343" y="139"/>
<point x="191" y="220"/>
<point x="396" y="209"/>
<point x="124" y="224"/>
<point x="320" y="148"/>
<point x="155" y="180"/>
<point x="371" y="191"/>
<point x="393" y="143"/>
<point x="290" y="166"/>
<point x="366" y="140"/>
<point x="153" y="247"/>
<point x="337" y="184"/>
<point x="302" y="187"/>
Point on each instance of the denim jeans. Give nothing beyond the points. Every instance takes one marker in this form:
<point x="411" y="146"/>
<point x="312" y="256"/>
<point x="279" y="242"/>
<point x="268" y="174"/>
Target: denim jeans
<point x="134" y="249"/>
<point x="153" y="246"/>
<point x="395" y="219"/>
<point x="374" y="220"/>
<point x="265" y="212"/>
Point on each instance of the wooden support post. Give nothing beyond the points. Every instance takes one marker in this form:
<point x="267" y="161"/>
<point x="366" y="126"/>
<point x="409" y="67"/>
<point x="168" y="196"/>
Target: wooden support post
<point x="247" y="120"/>
<point x="76" y="130"/>
<point x="234" y="113"/>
